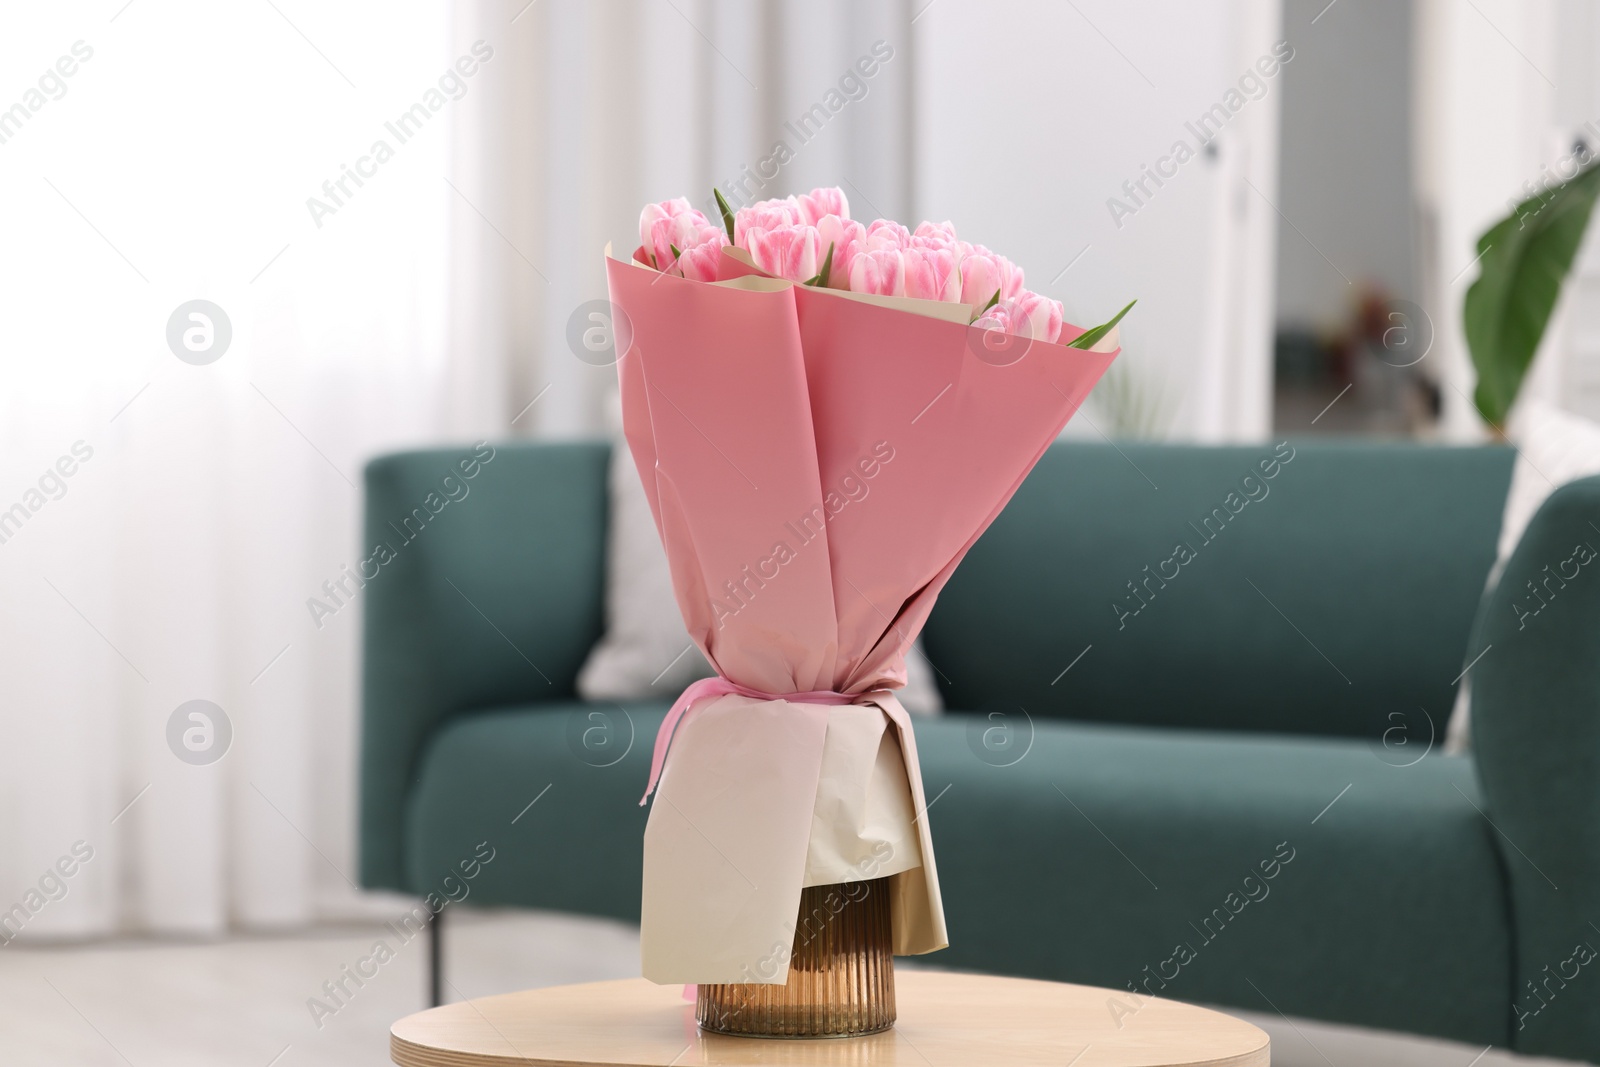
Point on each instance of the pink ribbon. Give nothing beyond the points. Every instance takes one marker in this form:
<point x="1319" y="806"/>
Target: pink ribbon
<point x="717" y="686"/>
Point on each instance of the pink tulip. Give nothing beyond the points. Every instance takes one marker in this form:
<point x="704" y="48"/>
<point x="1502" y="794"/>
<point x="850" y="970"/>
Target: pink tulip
<point x="1043" y="314"/>
<point x="931" y="273"/>
<point x="1029" y="315"/>
<point x="983" y="273"/>
<point x="885" y="234"/>
<point x="667" y="221"/>
<point x="765" y="215"/>
<point x="880" y="272"/>
<point x="819" y="203"/>
<point x="1002" y="317"/>
<point x="667" y="209"/>
<point x="699" y="262"/>
<point x="847" y="239"/>
<point x="936" y="235"/>
<point x="674" y="224"/>
<point x="788" y="251"/>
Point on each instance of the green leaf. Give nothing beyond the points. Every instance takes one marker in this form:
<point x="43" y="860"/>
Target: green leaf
<point x="675" y="253"/>
<point x="1524" y="260"/>
<point x="827" y="266"/>
<point x="727" y="212"/>
<point x="1089" y="338"/>
<point x="993" y="300"/>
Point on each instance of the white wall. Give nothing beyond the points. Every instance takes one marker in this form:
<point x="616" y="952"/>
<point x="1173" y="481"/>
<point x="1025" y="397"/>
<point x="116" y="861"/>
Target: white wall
<point x="1346" y="159"/>
<point x="1032" y="115"/>
<point x="1573" y="376"/>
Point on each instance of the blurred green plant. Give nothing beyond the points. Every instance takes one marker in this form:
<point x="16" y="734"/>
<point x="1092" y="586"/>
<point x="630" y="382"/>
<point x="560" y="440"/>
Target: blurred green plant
<point x="1524" y="258"/>
<point x="1132" y="406"/>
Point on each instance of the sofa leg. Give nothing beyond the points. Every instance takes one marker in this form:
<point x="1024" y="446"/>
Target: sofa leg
<point x="436" y="959"/>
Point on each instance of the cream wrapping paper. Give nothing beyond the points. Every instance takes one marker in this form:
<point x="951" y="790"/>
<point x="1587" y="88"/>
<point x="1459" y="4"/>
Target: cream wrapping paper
<point x="823" y="797"/>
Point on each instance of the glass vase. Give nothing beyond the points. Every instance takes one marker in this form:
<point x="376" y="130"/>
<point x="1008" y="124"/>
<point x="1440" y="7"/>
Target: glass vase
<point x="841" y="972"/>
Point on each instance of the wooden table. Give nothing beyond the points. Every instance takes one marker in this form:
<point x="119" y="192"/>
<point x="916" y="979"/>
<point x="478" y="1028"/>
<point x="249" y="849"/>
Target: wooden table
<point x="946" y="1020"/>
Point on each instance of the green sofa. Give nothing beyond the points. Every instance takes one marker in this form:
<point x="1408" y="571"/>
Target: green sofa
<point x="1211" y="774"/>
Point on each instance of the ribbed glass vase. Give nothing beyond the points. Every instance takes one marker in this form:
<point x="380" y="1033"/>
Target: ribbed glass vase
<point x="841" y="972"/>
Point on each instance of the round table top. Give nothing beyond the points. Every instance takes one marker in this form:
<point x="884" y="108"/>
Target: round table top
<point x="946" y="1020"/>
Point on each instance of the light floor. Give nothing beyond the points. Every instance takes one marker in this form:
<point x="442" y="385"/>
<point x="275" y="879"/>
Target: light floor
<point x="242" y="1002"/>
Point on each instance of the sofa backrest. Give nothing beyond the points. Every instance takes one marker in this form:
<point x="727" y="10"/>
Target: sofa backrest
<point x="1312" y="587"/>
<point x="482" y="589"/>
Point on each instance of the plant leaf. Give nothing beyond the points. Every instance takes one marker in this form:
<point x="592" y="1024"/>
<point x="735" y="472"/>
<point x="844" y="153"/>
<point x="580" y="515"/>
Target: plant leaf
<point x="821" y="277"/>
<point x="1524" y="259"/>
<point x="727" y="213"/>
<point x="1089" y="338"/>
<point x="993" y="300"/>
<point x="675" y="253"/>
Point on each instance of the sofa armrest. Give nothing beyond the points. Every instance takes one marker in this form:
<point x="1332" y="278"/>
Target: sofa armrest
<point x="483" y="571"/>
<point x="1536" y="741"/>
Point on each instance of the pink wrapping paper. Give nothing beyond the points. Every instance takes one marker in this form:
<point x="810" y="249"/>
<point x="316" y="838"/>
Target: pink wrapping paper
<point x="817" y="464"/>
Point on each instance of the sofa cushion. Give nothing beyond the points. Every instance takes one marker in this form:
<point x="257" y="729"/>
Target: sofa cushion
<point x="578" y="847"/>
<point x="1103" y="849"/>
<point x="1075" y="852"/>
<point x="1317" y="600"/>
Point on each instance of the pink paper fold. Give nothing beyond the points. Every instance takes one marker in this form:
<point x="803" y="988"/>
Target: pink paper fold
<point x="754" y="419"/>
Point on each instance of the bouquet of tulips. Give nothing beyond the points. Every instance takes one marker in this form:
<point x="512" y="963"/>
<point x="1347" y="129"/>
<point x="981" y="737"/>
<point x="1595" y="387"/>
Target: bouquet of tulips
<point x="826" y="415"/>
<point x="813" y="240"/>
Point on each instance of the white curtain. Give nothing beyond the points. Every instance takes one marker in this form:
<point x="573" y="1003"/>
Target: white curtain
<point x="207" y="503"/>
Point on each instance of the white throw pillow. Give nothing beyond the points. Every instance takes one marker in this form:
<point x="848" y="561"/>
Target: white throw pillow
<point x="1554" y="447"/>
<point x="645" y="652"/>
